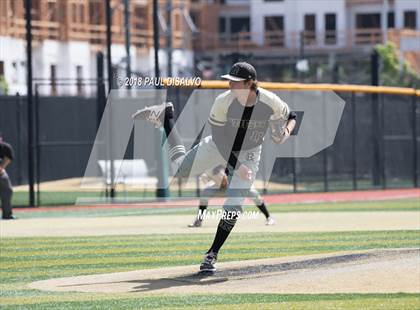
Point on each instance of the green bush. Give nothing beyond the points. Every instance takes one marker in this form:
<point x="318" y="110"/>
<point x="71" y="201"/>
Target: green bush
<point x="394" y="73"/>
<point x="3" y="86"/>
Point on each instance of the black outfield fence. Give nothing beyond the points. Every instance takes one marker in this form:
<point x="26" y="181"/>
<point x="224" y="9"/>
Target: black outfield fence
<point x="376" y="146"/>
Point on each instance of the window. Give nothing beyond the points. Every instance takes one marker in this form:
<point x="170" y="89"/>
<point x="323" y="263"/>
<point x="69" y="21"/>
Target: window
<point x="17" y="8"/>
<point x="194" y="18"/>
<point x="364" y="21"/>
<point x="79" y="79"/>
<point x="78" y="14"/>
<point x="274" y="27"/>
<point x="36" y="10"/>
<point x="222" y="25"/>
<point x="12" y="6"/>
<point x="1" y="68"/>
<point x="330" y="29"/>
<point x="391" y="20"/>
<point x="274" y="23"/>
<point x="53" y="79"/>
<point x="239" y="24"/>
<point x="3" y="10"/>
<point x="177" y="21"/>
<point x="368" y="29"/>
<point x="52" y="12"/>
<point x="140" y="17"/>
<point x="410" y="19"/>
<point x="97" y="12"/>
<point x="310" y="29"/>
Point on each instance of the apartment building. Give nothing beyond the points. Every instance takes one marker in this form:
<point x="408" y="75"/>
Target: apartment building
<point x="281" y="23"/>
<point x="68" y="34"/>
<point x="287" y="28"/>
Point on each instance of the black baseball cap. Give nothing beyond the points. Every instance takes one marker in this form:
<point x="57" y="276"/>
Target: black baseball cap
<point x="241" y="71"/>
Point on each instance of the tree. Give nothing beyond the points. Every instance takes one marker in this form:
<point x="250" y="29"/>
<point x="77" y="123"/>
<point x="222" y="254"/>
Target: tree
<point x="393" y="72"/>
<point x="3" y="85"/>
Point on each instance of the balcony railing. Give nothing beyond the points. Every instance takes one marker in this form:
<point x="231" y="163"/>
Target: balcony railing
<point x="204" y="41"/>
<point x="76" y="24"/>
<point x="274" y="38"/>
<point x="94" y="34"/>
<point x="289" y="40"/>
<point x="368" y="36"/>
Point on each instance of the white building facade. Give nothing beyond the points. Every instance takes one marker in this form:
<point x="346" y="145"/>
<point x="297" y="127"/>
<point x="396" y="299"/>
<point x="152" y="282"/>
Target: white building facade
<point x="69" y="68"/>
<point x="292" y="15"/>
<point x="331" y="23"/>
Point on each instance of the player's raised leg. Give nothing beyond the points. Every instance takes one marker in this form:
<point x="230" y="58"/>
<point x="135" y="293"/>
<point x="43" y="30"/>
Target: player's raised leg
<point x="162" y="115"/>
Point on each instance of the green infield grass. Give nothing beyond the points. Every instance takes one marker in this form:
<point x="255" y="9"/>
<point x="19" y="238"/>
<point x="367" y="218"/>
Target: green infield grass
<point x="388" y="205"/>
<point x="24" y="260"/>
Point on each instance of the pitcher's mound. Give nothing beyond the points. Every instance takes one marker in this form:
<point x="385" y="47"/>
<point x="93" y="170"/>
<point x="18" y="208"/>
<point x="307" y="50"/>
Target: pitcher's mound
<point x="373" y="271"/>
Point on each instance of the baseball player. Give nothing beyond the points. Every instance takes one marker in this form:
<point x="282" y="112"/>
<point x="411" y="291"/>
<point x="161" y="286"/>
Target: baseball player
<point x="239" y="119"/>
<point x="217" y="181"/>
<point x="6" y="189"/>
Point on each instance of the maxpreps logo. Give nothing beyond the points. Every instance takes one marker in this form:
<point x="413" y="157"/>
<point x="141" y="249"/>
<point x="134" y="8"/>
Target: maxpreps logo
<point x="320" y="116"/>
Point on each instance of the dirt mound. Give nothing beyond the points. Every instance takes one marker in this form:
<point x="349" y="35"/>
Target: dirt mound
<point x="374" y="271"/>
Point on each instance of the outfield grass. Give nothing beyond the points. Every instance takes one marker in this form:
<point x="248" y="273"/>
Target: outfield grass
<point x="24" y="260"/>
<point x="225" y="302"/>
<point x="391" y="205"/>
<point x="388" y="205"/>
<point x="54" y="198"/>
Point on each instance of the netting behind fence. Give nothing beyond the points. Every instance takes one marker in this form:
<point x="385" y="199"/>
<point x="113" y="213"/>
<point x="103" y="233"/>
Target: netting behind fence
<point x="376" y="146"/>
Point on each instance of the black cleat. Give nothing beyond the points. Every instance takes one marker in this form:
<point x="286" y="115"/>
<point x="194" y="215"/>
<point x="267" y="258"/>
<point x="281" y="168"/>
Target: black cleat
<point x="209" y="261"/>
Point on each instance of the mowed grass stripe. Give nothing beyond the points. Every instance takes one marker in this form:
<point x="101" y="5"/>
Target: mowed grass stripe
<point x="220" y="301"/>
<point x="98" y="240"/>
<point x="412" y="239"/>
<point x="191" y="241"/>
<point x="22" y="244"/>
<point x="278" y="239"/>
<point x="87" y="213"/>
<point x="190" y="257"/>
<point x="239" y="238"/>
<point x="33" y="274"/>
<point x="389" y="205"/>
<point x="373" y="303"/>
<point x="13" y="270"/>
<point x="60" y="243"/>
<point x="69" y="271"/>
<point x="141" y="251"/>
<point x="47" y="241"/>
